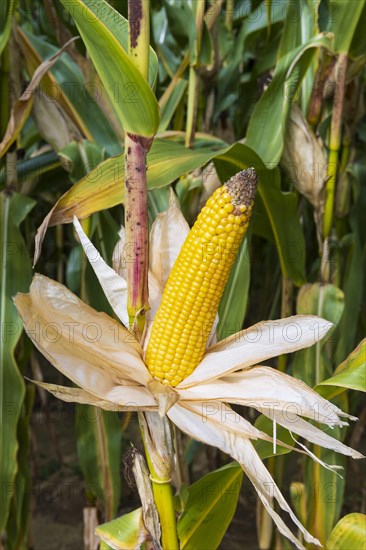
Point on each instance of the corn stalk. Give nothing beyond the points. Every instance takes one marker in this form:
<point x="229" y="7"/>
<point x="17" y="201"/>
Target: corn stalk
<point x="334" y="143"/>
<point x="136" y="149"/>
<point x="136" y="224"/>
<point x="193" y="85"/>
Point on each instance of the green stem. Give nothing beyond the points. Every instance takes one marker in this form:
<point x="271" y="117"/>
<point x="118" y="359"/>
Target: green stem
<point x="162" y="489"/>
<point x="169" y="90"/>
<point x="4" y="91"/>
<point x="343" y="187"/>
<point x="322" y="76"/>
<point x="164" y="501"/>
<point x="192" y="106"/>
<point x="229" y="13"/>
<point x="334" y="143"/>
<point x="193" y="76"/>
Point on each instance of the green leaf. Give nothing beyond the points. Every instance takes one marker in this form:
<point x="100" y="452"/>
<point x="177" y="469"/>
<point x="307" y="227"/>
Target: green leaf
<point x="342" y="22"/>
<point x="81" y="157"/>
<point x="99" y="448"/>
<point x="325" y="489"/>
<point x="267" y="125"/>
<point x="118" y="26"/>
<point x="349" y="533"/>
<point x="265" y="448"/>
<point x="158" y="201"/>
<point x="20" y="507"/>
<point x="327" y="301"/>
<point x="189" y="191"/>
<point x="301" y="24"/>
<point x="352" y="259"/>
<point x="280" y="208"/>
<point x="132" y="97"/>
<point x="13" y="210"/>
<point x="7" y="10"/>
<point x="351" y="374"/>
<point x="172" y="102"/>
<point x="210" y="507"/>
<point x="298" y="500"/>
<point x="234" y="301"/>
<point x="357" y="48"/>
<point x="125" y="533"/>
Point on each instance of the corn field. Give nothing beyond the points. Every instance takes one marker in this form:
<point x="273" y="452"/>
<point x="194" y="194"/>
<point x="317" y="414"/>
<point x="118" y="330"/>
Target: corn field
<point x="183" y="251"/>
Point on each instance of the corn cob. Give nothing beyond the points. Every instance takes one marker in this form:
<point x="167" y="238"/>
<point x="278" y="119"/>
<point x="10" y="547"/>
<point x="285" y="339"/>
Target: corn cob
<point x="197" y="281"/>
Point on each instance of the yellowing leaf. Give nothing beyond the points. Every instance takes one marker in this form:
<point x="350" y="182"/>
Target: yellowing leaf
<point x="125" y="533"/>
<point x="349" y="533"/>
<point x="103" y="187"/>
<point x="22" y="107"/>
<point x="351" y="374"/>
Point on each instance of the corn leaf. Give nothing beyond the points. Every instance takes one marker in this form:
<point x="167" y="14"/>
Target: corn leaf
<point x="267" y="124"/>
<point x="351" y="374"/>
<point x="357" y="49"/>
<point x="327" y="301"/>
<point x="234" y="301"/>
<point x="210" y="507"/>
<point x="279" y="208"/>
<point x="350" y="532"/>
<point x="7" y="10"/>
<point x="22" y="107"/>
<point x="353" y="254"/>
<point x="20" y="506"/>
<point x="35" y="166"/>
<point x="125" y="533"/>
<point x="132" y="97"/>
<point x="298" y="29"/>
<point x="323" y="487"/>
<point x="342" y="21"/>
<point x="118" y="26"/>
<point x="80" y="158"/>
<point x="13" y="210"/>
<point x="172" y="102"/>
<point x="64" y="83"/>
<point x="99" y="448"/>
<point x="34" y="50"/>
<point x="301" y="24"/>
<point x="103" y="187"/>
<point x="265" y="449"/>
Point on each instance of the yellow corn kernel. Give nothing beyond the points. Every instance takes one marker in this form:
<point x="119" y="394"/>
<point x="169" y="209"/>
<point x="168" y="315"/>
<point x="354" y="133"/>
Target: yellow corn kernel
<point x="191" y="298"/>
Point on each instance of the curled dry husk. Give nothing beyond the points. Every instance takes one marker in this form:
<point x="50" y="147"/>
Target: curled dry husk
<point x="305" y="162"/>
<point x="143" y="483"/>
<point x="53" y="123"/>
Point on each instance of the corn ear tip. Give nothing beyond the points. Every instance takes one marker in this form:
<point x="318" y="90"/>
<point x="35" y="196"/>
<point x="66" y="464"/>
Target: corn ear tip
<point x="242" y="187"/>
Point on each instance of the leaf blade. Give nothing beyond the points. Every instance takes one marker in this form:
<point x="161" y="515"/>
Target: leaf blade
<point x="138" y="110"/>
